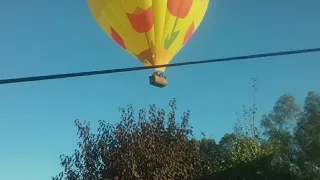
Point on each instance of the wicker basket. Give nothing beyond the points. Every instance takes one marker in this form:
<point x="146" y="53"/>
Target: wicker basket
<point x="159" y="81"/>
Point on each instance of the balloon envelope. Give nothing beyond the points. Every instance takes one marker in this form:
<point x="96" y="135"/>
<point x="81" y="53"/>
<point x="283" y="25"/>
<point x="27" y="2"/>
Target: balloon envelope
<point x="153" y="31"/>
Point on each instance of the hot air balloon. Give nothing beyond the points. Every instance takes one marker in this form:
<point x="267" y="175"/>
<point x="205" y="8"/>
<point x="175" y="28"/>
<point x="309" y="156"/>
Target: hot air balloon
<point x="153" y="31"/>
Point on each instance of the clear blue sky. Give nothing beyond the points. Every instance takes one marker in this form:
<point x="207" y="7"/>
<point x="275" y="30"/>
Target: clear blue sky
<point x="47" y="37"/>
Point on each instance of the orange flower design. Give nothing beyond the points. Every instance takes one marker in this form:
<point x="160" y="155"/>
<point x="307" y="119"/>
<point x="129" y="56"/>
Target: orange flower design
<point x="117" y="38"/>
<point x="141" y="20"/>
<point x="179" y="8"/>
<point x="189" y="33"/>
<point x="147" y="55"/>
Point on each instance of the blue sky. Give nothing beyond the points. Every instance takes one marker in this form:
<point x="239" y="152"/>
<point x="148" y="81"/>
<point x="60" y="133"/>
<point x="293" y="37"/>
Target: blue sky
<point x="47" y="37"/>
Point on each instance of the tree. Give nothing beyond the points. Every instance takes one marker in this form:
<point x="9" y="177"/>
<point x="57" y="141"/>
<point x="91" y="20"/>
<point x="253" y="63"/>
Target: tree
<point x="241" y="154"/>
<point x="307" y="135"/>
<point x="153" y="145"/>
<point x="312" y="102"/>
<point x="282" y="119"/>
<point x="147" y="148"/>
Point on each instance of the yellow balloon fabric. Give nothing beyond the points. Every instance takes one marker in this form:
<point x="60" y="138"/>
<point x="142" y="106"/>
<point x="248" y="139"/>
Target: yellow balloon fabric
<point x="153" y="31"/>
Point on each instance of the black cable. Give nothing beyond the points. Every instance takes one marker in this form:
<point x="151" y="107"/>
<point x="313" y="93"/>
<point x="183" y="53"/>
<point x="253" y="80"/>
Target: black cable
<point x="109" y="71"/>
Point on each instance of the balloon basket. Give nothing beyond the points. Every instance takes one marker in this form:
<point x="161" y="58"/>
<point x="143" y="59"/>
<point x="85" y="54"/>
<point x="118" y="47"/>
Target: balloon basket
<point x="158" y="79"/>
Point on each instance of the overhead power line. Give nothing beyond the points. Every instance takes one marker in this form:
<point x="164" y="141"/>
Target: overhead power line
<point x="109" y="71"/>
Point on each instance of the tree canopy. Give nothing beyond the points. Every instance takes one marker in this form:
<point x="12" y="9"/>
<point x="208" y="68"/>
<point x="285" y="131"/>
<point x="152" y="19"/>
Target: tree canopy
<point x="153" y="144"/>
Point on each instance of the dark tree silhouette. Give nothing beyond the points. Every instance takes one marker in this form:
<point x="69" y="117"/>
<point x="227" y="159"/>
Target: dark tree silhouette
<point x="154" y="146"/>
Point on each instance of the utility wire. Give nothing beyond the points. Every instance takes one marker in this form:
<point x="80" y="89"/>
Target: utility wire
<point x="109" y="71"/>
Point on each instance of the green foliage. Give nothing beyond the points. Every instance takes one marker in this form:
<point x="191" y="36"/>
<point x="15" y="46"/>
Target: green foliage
<point x="312" y="102"/>
<point x="308" y="137"/>
<point x="297" y="133"/>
